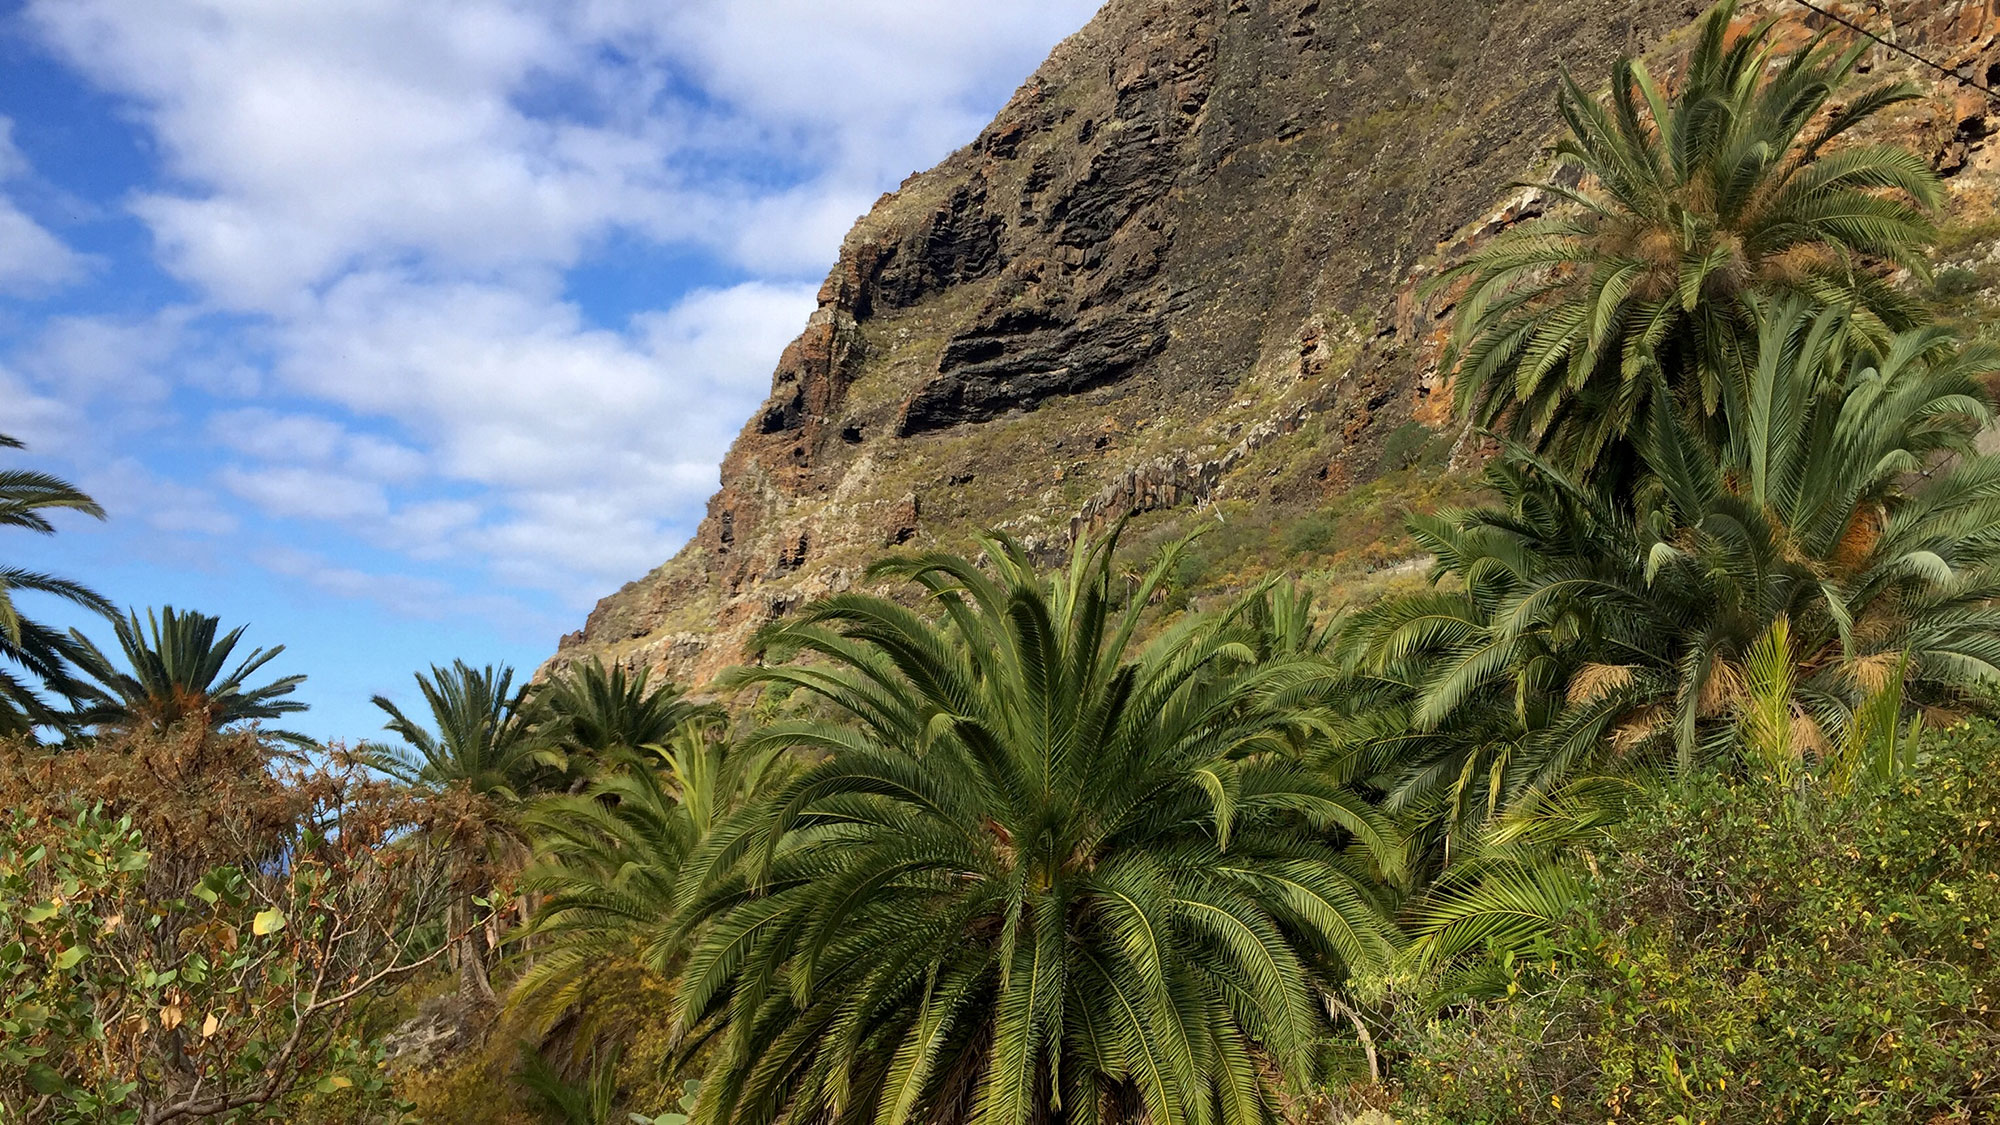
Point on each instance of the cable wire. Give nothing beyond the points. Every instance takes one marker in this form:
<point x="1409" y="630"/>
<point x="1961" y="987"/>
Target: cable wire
<point x="1948" y="72"/>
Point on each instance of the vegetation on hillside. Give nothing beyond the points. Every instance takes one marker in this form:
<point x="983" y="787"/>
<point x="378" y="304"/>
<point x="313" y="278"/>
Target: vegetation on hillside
<point x="1744" y="953"/>
<point x="1668" y="796"/>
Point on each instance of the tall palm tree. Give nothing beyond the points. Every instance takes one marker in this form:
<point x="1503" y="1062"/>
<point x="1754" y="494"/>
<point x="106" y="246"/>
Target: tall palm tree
<point x="588" y="712"/>
<point x="176" y="669"/>
<point x="41" y="657"/>
<point x="483" y="764"/>
<point x="1040" y="872"/>
<point x="608" y="863"/>
<point x="1745" y="181"/>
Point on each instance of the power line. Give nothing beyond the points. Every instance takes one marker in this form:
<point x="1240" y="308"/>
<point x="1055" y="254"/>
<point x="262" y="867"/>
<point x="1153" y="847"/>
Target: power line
<point x="1948" y="72"/>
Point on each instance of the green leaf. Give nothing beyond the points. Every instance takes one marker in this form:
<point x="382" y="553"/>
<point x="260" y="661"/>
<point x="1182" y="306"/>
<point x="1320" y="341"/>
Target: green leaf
<point x="45" y="1080"/>
<point x="68" y="958"/>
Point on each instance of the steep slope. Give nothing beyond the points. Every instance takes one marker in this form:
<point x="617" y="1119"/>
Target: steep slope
<point x="1176" y="274"/>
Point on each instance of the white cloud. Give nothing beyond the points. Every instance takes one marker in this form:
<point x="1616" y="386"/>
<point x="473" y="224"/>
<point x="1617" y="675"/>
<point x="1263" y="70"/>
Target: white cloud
<point x="271" y="435"/>
<point x="586" y="442"/>
<point x="314" y="137"/>
<point x="728" y="338"/>
<point x="46" y="423"/>
<point x="32" y="260"/>
<point x="384" y="460"/>
<point x="123" y="359"/>
<point x="378" y="202"/>
<point x="580" y="453"/>
<point x="428" y="529"/>
<point x="12" y="163"/>
<point x="403" y="594"/>
<point x="306" y="493"/>
<point x="311" y="439"/>
<point x="129" y="490"/>
<point x="875" y="75"/>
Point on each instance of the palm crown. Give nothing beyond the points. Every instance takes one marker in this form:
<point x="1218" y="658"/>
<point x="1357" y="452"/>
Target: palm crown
<point x="594" y="712"/>
<point x="43" y="655"/>
<point x="1745" y="181"/>
<point x="479" y="742"/>
<point x="483" y="763"/>
<point x="1038" y="873"/>
<point x="177" y="670"/>
<point x="608" y="861"/>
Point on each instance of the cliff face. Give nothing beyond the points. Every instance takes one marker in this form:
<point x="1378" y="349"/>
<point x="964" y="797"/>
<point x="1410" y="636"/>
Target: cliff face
<point x="1176" y="274"/>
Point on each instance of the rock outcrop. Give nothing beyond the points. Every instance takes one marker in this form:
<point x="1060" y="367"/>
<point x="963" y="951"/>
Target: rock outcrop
<point x="1179" y="269"/>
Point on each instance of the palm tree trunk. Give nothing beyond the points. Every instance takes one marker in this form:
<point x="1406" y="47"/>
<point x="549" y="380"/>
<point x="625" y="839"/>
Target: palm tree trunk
<point x="475" y="985"/>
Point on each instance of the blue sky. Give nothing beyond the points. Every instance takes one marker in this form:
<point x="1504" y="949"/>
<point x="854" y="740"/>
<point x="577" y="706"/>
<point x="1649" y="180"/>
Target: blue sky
<point x="403" y="330"/>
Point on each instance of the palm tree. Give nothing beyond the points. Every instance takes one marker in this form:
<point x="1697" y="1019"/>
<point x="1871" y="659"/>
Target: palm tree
<point x="1788" y="598"/>
<point x="1515" y="884"/>
<point x="589" y="712"/>
<point x="481" y="764"/>
<point x="608" y="863"/>
<point x="1040" y="872"/>
<point x="43" y="655"/>
<point x="1744" y="183"/>
<point x="479" y="745"/>
<point x="1843" y="541"/>
<point x="177" y="670"/>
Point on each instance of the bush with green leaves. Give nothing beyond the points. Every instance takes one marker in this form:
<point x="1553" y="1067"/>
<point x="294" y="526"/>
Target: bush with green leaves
<point x="54" y="903"/>
<point x="1751" y="954"/>
<point x="125" y="1000"/>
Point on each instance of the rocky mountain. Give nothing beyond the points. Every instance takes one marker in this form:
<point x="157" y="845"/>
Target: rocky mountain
<point x="1178" y="275"/>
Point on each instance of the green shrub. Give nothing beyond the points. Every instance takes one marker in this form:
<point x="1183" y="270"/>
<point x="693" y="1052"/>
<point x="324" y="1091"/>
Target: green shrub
<point x="1312" y="534"/>
<point x="1956" y="282"/>
<point x="60" y="887"/>
<point x="1410" y="446"/>
<point x="1748" y="955"/>
<point x="231" y="970"/>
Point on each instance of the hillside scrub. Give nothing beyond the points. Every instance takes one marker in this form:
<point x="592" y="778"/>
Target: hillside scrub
<point x="1748" y="952"/>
